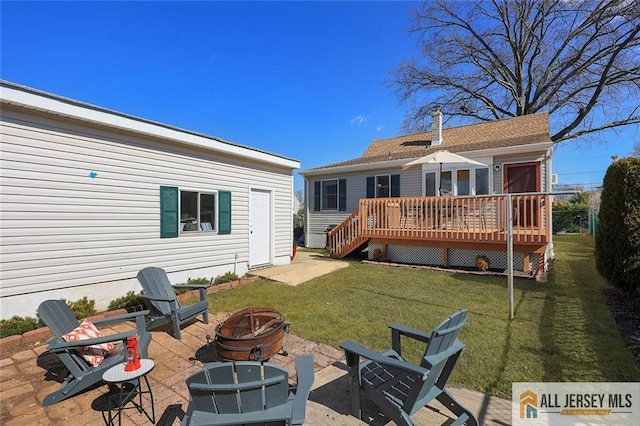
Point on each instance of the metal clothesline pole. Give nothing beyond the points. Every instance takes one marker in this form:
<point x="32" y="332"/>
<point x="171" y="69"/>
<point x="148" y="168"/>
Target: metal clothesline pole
<point x="510" y="254"/>
<point x="440" y="181"/>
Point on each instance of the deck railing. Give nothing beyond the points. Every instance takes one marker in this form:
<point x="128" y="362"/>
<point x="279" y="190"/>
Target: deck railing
<point x="471" y="219"/>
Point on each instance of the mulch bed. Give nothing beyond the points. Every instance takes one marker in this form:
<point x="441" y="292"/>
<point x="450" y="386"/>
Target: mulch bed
<point x="626" y="312"/>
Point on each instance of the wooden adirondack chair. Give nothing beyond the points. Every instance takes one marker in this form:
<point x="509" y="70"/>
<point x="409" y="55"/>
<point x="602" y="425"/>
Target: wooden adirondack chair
<point x="248" y="392"/>
<point x="58" y="317"/>
<point x="160" y="298"/>
<point x="400" y="388"/>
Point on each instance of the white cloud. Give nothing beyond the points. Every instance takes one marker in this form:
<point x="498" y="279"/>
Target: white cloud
<point x="359" y="120"/>
<point x="379" y="128"/>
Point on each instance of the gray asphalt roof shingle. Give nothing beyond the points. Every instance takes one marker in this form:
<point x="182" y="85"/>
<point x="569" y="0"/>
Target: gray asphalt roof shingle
<point x="523" y="130"/>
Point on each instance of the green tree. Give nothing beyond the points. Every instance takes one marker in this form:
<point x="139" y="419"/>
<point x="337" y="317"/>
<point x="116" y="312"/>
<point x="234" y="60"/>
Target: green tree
<point x="571" y="215"/>
<point x="298" y="217"/>
<point x="618" y="236"/>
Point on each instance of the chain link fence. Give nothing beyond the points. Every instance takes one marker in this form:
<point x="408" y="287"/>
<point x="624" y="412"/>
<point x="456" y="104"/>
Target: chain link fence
<point x="573" y="221"/>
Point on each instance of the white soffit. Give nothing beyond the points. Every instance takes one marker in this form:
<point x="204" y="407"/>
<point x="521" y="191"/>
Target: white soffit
<point x="52" y="104"/>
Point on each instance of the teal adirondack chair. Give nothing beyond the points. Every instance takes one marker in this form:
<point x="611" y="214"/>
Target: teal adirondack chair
<point x="400" y="388"/>
<point x="58" y="317"/>
<point x="248" y="392"/>
<point x="160" y="298"/>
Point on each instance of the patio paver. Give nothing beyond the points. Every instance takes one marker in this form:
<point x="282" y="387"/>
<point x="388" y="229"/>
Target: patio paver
<point x="27" y="374"/>
<point x="24" y="382"/>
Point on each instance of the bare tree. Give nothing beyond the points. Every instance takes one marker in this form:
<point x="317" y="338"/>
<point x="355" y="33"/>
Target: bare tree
<point x="487" y="60"/>
<point x="300" y="194"/>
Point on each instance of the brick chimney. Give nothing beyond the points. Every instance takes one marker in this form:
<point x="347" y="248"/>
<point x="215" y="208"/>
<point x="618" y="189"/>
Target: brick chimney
<point x="436" y="127"/>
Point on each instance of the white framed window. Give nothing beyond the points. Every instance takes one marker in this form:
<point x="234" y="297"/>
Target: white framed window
<point x="482" y="181"/>
<point x="329" y="197"/>
<point x="446" y="183"/>
<point x="458" y="182"/>
<point x="383" y="186"/>
<point x="186" y="211"/>
<point x="463" y="182"/>
<point x="197" y="211"/>
<point x="431" y="189"/>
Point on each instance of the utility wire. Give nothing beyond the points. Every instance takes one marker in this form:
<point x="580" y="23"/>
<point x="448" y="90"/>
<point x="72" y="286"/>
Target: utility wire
<point x="580" y="173"/>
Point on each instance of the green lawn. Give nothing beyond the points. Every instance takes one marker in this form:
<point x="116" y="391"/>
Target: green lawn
<point x="562" y="330"/>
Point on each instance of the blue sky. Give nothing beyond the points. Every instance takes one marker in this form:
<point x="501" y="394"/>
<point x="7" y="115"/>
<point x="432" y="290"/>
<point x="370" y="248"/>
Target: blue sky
<point x="301" y="79"/>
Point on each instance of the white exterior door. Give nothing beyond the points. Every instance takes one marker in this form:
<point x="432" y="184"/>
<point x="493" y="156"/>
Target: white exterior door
<point x="259" y="228"/>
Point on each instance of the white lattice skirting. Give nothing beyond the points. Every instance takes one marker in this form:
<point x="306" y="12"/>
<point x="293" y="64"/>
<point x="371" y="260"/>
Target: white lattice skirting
<point x="434" y="256"/>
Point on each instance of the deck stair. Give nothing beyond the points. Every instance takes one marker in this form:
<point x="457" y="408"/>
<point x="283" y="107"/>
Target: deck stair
<point x="347" y="237"/>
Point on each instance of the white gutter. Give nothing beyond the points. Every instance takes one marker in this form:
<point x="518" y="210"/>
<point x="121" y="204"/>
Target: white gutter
<point x="516" y="149"/>
<point x="356" y="167"/>
<point x="32" y="99"/>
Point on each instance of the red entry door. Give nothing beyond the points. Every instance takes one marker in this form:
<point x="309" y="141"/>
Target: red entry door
<point x="520" y="178"/>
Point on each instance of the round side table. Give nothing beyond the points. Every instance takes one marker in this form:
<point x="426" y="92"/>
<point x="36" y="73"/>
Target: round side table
<point x="126" y="386"/>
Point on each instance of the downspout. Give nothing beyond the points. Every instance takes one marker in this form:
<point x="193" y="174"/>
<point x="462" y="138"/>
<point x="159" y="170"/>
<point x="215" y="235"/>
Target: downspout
<point x="235" y="264"/>
<point x="292" y="242"/>
<point x="306" y="212"/>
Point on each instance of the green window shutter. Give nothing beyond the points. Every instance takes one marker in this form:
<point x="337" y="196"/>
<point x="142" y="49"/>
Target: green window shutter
<point x="395" y="185"/>
<point x="342" y="195"/>
<point x="371" y="187"/>
<point x="224" y="212"/>
<point x="316" y="196"/>
<point x="168" y="212"/>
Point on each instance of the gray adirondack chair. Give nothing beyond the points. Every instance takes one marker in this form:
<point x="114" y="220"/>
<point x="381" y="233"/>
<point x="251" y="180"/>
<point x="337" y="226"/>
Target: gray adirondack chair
<point x="400" y="388"/>
<point x="58" y="317"/>
<point x="248" y="392"/>
<point x="160" y="298"/>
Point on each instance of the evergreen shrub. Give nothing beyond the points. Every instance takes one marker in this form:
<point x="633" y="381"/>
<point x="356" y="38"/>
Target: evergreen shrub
<point x="82" y="308"/>
<point x="226" y="278"/>
<point x="618" y="236"/>
<point x="129" y="299"/>
<point x="199" y="281"/>
<point x="18" y="325"/>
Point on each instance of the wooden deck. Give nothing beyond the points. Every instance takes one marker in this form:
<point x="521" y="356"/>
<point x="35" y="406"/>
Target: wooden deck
<point x="448" y="222"/>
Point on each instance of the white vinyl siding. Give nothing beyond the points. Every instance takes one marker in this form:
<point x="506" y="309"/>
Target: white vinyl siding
<point x="411" y="182"/>
<point x="318" y="221"/>
<point x="61" y="228"/>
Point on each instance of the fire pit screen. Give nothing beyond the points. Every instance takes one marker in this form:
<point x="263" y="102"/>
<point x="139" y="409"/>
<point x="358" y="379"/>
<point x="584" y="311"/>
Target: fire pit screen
<point x="251" y="334"/>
